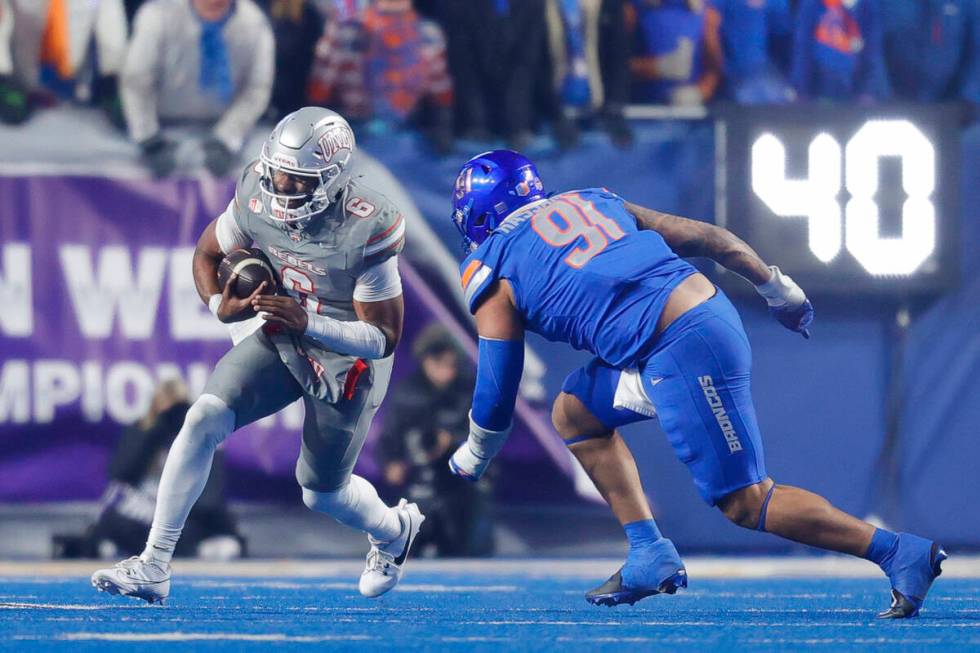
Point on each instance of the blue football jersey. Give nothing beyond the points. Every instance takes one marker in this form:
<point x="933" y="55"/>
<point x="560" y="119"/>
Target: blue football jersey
<point x="582" y="273"/>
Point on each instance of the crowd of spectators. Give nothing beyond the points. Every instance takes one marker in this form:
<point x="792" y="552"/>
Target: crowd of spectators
<point x="475" y="69"/>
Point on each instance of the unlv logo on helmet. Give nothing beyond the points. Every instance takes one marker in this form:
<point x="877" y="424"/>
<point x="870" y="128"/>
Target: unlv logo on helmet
<point x="339" y="137"/>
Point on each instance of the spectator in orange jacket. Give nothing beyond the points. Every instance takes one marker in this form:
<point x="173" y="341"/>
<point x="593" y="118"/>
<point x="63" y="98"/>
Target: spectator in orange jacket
<point x="386" y="67"/>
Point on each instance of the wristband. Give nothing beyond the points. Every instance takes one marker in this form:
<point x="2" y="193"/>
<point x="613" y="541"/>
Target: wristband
<point x="781" y="290"/>
<point x="214" y="303"/>
<point x="486" y="443"/>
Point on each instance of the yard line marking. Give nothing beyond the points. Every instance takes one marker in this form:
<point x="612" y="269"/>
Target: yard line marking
<point x="9" y="605"/>
<point x="406" y="587"/>
<point x="456" y="588"/>
<point x="178" y="636"/>
<point x="843" y="640"/>
<point x="727" y="624"/>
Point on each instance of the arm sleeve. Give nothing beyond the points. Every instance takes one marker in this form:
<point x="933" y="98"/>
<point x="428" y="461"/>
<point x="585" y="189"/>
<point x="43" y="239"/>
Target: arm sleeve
<point x="230" y="235"/>
<point x="379" y="282"/>
<point x="139" y="74"/>
<point x="354" y="338"/>
<point x="253" y="98"/>
<point x="498" y="377"/>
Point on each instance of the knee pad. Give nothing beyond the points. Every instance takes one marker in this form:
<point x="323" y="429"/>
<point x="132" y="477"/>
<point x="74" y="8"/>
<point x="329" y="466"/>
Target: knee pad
<point x="355" y="504"/>
<point x="209" y="419"/>
<point x="311" y="499"/>
<point x="331" y="503"/>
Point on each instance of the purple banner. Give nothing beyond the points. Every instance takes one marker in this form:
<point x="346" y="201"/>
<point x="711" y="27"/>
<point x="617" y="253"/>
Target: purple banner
<point x="97" y="305"/>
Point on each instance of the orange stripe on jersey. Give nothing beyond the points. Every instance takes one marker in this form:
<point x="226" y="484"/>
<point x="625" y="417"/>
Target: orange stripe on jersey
<point x="469" y="272"/>
<point x="392" y="247"/>
<point x="387" y="232"/>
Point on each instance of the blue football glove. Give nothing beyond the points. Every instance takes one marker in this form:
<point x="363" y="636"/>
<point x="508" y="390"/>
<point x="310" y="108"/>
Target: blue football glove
<point x="795" y="319"/>
<point x="787" y="302"/>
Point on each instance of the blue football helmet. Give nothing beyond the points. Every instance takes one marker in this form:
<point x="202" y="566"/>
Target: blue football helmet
<point x="489" y="187"/>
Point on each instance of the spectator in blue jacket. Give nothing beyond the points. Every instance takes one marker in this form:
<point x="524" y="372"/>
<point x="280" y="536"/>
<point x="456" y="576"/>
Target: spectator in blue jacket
<point x="749" y="29"/>
<point x="677" y="58"/>
<point x="838" y="51"/>
<point x="933" y="49"/>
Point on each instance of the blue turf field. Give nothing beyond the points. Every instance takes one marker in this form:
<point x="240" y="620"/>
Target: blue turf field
<point x="485" y="612"/>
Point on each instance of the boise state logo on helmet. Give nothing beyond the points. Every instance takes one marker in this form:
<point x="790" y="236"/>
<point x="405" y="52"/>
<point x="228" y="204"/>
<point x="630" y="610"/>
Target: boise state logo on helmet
<point x="488" y="188"/>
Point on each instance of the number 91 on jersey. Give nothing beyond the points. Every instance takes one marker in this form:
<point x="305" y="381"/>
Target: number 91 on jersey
<point x="851" y="200"/>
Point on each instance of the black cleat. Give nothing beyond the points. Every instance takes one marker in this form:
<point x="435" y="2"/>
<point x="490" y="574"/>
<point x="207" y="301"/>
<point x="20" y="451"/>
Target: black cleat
<point x="916" y="576"/>
<point x="613" y="593"/>
<point x="901" y="608"/>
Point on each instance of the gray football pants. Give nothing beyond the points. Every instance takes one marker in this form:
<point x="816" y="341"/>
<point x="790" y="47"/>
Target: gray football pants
<point x="254" y="382"/>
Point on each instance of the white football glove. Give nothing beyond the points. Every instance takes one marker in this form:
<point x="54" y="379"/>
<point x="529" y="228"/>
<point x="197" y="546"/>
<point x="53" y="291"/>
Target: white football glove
<point x="787" y="302"/>
<point x="466" y="464"/>
<point x="473" y="456"/>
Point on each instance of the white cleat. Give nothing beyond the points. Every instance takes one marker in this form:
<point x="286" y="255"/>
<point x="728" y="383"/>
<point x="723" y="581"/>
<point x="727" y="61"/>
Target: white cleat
<point x="135" y="577"/>
<point x="386" y="560"/>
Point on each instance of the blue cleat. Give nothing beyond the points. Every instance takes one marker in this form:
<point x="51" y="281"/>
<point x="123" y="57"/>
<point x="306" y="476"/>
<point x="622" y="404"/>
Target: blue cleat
<point x="911" y="568"/>
<point x="656" y="569"/>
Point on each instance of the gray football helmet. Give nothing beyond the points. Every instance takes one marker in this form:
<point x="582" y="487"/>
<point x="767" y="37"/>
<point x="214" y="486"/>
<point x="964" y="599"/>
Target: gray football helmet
<point x="311" y="142"/>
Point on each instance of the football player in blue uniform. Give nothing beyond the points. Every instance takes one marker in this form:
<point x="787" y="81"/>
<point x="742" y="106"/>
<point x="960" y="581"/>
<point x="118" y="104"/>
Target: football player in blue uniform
<point x="591" y="269"/>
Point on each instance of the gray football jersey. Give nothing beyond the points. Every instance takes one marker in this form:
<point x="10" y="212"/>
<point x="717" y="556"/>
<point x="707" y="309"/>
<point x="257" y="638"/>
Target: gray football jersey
<point x="319" y="266"/>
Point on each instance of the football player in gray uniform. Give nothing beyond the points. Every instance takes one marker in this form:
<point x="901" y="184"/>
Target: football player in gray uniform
<point x="329" y="340"/>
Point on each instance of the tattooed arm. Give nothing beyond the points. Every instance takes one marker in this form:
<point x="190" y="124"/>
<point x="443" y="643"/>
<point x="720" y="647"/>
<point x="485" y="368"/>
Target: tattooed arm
<point x="689" y="238"/>
<point x="786" y="300"/>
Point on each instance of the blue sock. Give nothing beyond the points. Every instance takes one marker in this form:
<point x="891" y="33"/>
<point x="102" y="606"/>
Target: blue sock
<point x="882" y="545"/>
<point x="642" y="533"/>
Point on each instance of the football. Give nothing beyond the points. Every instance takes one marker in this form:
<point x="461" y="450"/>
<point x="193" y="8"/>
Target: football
<point x="252" y="268"/>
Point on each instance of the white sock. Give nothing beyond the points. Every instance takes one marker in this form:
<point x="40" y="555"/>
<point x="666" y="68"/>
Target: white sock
<point x="357" y="505"/>
<point x="207" y="424"/>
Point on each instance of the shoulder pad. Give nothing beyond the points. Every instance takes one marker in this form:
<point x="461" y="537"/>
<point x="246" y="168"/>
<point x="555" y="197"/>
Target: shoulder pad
<point x="248" y="200"/>
<point x="248" y="185"/>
